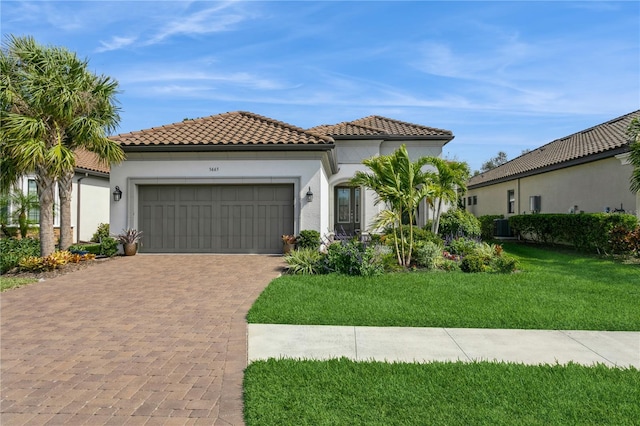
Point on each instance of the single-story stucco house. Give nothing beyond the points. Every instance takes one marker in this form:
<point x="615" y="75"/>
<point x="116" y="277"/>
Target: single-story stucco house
<point x="89" y="197"/>
<point x="587" y="172"/>
<point x="236" y="182"/>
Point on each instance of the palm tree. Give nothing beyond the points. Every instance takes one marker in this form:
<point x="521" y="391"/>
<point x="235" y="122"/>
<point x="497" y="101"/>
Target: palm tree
<point x="51" y="105"/>
<point x="449" y="181"/>
<point x="633" y="131"/>
<point x="21" y="203"/>
<point x="401" y="184"/>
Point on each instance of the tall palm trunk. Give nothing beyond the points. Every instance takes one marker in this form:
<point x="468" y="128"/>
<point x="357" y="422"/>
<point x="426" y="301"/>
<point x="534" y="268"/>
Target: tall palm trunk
<point x="65" y="186"/>
<point x="436" y="219"/>
<point x="45" y="184"/>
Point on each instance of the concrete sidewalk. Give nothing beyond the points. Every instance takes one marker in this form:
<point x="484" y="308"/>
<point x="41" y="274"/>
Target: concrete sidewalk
<point x="404" y="344"/>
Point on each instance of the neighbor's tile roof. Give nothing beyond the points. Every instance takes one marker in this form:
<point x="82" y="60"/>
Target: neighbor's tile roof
<point x="375" y="125"/>
<point x="578" y="146"/>
<point x="89" y="161"/>
<point x="232" y="128"/>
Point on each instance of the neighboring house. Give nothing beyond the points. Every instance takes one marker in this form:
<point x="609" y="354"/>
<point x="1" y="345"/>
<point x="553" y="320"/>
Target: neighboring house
<point x="584" y="172"/>
<point x="236" y="182"/>
<point x="89" y="199"/>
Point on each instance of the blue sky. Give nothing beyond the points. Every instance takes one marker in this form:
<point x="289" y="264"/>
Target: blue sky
<point x="501" y="75"/>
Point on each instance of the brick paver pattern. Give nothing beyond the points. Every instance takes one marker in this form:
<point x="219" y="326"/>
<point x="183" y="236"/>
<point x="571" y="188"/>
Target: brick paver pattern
<point x="140" y="340"/>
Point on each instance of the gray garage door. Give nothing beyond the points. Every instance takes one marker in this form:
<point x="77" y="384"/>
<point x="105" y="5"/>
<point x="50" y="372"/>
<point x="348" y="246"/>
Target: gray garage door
<point x="215" y="218"/>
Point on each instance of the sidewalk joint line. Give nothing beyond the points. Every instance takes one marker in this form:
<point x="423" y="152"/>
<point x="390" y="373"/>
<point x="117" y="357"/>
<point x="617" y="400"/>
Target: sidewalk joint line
<point x="582" y="344"/>
<point x="355" y="341"/>
<point x="454" y="341"/>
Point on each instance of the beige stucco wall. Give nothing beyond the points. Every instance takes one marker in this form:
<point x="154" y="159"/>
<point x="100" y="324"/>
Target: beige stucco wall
<point x="94" y="199"/>
<point x="302" y="169"/>
<point x="592" y="187"/>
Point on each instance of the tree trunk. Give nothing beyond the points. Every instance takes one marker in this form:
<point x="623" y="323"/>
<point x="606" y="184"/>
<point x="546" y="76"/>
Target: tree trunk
<point x="46" y="184"/>
<point x="436" y="220"/>
<point x="23" y="225"/>
<point x="65" y="186"/>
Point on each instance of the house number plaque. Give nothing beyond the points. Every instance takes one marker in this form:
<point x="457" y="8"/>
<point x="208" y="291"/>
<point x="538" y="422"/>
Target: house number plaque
<point x="214" y="169"/>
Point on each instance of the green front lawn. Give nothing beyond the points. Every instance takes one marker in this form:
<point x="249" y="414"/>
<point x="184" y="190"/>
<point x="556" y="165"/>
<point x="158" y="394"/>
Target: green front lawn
<point x="343" y="392"/>
<point x="553" y="290"/>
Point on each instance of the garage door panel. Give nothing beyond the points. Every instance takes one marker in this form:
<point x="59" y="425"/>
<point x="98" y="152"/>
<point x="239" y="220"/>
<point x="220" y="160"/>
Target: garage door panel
<point x="228" y="193"/>
<point x="169" y="226"/>
<point x="215" y="218"/>
<point x="166" y="194"/>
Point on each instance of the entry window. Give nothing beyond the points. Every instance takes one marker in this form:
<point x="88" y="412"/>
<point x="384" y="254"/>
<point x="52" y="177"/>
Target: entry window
<point x="344" y="205"/>
<point x="348" y="208"/>
<point x="511" y="201"/>
<point x="475" y="200"/>
<point x="34" y="214"/>
<point x="356" y="203"/>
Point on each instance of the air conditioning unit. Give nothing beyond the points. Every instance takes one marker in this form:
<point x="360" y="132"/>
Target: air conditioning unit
<point x="501" y="228"/>
<point x="535" y="203"/>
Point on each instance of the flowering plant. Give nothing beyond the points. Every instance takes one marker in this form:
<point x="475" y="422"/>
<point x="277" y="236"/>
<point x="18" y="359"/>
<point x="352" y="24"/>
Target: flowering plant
<point x="289" y="239"/>
<point x="450" y="256"/>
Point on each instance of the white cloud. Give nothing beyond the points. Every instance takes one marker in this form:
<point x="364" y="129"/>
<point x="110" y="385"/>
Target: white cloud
<point x="115" y="43"/>
<point x="179" y="79"/>
<point x="210" y="20"/>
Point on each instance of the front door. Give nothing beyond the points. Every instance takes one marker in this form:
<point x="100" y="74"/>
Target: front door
<point x="347" y="210"/>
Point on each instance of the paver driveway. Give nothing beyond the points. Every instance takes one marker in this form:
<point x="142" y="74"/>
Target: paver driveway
<point x="147" y="339"/>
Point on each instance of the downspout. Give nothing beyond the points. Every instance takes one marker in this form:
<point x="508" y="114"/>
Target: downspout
<point x="519" y="211"/>
<point x="78" y="208"/>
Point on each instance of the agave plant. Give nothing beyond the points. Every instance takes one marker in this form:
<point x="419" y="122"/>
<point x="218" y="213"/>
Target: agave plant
<point x="129" y="236"/>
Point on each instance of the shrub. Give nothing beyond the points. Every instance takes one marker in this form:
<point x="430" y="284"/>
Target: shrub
<point x="109" y="247"/>
<point x="472" y="263"/>
<point x="10" y="231"/>
<point x="32" y="264"/>
<point x="488" y="252"/>
<point x="427" y="254"/>
<point x="101" y="232"/>
<point x="486" y="225"/>
<point x="57" y="259"/>
<point x="419" y="234"/>
<point x="448" y="265"/>
<point x="305" y="261"/>
<point x="90" y="248"/>
<point x="53" y="261"/>
<point x="625" y="241"/>
<point x="308" y="239"/>
<point x="462" y="246"/>
<point x="585" y="231"/>
<point x="353" y="258"/>
<point x="12" y="251"/>
<point x="459" y="222"/>
<point x="504" y="264"/>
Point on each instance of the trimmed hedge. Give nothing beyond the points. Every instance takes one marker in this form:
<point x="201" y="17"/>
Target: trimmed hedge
<point x="584" y="231"/>
<point x="486" y="225"/>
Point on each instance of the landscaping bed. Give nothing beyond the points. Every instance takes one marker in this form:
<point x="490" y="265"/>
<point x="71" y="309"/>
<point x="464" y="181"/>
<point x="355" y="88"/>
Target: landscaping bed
<point x="552" y="290"/>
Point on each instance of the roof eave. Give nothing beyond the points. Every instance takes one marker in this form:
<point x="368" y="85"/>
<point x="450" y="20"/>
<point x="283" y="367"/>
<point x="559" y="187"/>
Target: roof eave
<point x="571" y="163"/>
<point x="227" y="147"/>
<point x="89" y="172"/>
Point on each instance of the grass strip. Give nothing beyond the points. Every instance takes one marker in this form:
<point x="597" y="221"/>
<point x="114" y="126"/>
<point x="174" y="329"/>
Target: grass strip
<point x="290" y="392"/>
<point x="9" y="283"/>
<point x="554" y="290"/>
